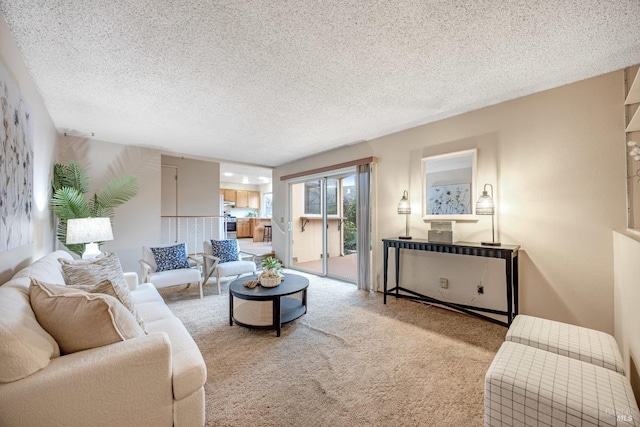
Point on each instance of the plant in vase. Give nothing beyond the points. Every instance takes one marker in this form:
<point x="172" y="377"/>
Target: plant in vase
<point x="271" y="272"/>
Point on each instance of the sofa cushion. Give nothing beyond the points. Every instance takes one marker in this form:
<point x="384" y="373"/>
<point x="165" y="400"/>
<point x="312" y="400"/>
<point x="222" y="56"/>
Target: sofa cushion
<point x="25" y="347"/>
<point x="117" y="291"/>
<point x="91" y="272"/>
<point x="226" y="250"/>
<point x="163" y="279"/>
<point x="100" y="275"/>
<point x="149" y="303"/>
<point x="170" y="257"/>
<point x="188" y="368"/>
<point x="80" y="320"/>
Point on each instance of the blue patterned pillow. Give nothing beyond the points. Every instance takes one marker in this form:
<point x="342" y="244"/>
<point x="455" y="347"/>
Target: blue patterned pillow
<point x="170" y="257"/>
<point x="226" y="250"/>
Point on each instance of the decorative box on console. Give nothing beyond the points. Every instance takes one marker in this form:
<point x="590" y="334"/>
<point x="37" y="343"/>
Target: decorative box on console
<point x="441" y="232"/>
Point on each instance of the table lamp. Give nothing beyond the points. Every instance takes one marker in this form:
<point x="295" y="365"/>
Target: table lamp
<point x="486" y="206"/>
<point x="89" y="231"/>
<point x="404" y="208"/>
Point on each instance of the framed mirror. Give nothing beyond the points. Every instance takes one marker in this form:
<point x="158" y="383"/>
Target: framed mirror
<point x="449" y="186"/>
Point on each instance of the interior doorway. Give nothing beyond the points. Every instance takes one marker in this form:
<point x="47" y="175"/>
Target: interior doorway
<point x="324" y="229"/>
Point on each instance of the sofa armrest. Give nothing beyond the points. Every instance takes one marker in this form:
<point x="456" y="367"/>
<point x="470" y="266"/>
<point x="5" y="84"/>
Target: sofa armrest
<point x="132" y="280"/>
<point x="126" y="383"/>
<point x="146" y="270"/>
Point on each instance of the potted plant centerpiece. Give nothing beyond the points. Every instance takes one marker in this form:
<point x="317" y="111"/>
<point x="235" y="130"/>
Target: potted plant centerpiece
<point x="271" y="272"/>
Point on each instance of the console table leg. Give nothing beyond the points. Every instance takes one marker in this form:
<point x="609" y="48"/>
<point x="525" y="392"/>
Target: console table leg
<point x="385" y="263"/>
<point x="509" y="278"/>
<point x="397" y="271"/>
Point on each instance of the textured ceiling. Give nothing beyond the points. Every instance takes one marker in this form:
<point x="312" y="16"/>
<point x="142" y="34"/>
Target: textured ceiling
<point x="270" y="82"/>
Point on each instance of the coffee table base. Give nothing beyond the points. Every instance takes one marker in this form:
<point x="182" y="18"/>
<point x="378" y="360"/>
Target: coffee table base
<point x="268" y="308"/>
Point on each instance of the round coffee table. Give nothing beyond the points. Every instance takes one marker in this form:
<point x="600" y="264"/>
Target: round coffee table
<point x="268" y="308"/>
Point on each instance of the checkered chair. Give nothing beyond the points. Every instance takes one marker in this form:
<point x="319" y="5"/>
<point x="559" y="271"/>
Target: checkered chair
<point x="224" y="258"/>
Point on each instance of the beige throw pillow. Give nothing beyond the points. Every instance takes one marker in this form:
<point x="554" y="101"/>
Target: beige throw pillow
<point x="91" y="275"/>
<point x="80" y="320"/>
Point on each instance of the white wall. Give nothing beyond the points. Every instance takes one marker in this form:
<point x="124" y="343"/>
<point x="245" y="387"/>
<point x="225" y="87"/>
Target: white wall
<point x="45" y="147"/>
<point x="557" y="162"/>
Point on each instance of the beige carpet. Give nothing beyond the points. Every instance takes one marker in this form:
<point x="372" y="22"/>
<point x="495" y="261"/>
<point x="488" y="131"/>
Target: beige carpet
<point x="350" y="361"/>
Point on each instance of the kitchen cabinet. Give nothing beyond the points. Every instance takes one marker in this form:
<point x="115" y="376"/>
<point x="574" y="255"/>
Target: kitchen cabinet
<point x="229" y="195"/>
<point x="254" y="199"/>
<point x="244" y="228"/>
<point x="242" y="199"/>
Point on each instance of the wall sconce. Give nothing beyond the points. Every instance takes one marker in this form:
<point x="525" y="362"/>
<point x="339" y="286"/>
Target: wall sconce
<point x="89" y="231"/>
<point x="404" y="208"/>
<point x="486" y="206"/>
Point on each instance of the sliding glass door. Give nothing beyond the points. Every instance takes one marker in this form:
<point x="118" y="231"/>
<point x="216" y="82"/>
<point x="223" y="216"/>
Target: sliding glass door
<point x="323" y="231"/>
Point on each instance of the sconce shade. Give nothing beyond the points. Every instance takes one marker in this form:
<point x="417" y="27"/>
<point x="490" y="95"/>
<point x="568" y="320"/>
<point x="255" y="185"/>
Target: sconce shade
<point x="404" y="207"/>
<point x="89" y="230"/>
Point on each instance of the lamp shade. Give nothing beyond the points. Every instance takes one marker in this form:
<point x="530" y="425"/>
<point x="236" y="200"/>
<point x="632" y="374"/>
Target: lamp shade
<point x="88" y="230"/>
<point x="404" y="207"/>
<point x="485" y="205"/>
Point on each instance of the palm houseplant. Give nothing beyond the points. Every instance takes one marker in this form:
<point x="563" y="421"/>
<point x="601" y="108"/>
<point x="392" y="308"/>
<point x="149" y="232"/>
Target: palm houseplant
<point x="71" y="184"/>
<point x="271" y="272"/>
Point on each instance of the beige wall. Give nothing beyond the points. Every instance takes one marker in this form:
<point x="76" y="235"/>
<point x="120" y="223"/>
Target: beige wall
<point x="137" y="222"/>
<point x="45" y="147"/>
<point x="198" y="186"/>
<point x="557" y="162"/>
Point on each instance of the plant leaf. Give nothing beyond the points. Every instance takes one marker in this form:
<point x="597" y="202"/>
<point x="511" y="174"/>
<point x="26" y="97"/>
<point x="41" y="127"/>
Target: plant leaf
<point x="71" y="175"/>
<point x="69" y="203"/>
<point x="117" y="191"/>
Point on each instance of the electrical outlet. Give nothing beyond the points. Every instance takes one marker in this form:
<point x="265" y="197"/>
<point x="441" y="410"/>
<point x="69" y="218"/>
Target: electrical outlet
<point x="480" y="290"/>
<point x="444" y="283"/>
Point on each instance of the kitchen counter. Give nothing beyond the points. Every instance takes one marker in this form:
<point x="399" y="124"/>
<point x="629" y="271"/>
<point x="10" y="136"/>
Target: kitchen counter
<point x="258" y="227"/>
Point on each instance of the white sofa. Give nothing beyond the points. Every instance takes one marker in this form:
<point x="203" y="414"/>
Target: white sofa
<point x="152" y="380"/>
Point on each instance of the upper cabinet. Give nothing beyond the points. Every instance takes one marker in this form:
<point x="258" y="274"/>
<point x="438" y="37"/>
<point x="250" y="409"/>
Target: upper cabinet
<point x="242" y="198"/>
<point x="254" y="199"/>
<point x="229" y="195"/>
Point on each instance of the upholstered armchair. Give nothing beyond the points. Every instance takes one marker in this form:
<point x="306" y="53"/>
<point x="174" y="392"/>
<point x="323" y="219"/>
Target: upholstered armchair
<point x="224" y="258"/>
<point x="167" y="265"/>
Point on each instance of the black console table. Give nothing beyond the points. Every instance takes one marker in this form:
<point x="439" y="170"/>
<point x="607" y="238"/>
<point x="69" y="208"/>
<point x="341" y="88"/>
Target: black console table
<point x="507" y="252"/>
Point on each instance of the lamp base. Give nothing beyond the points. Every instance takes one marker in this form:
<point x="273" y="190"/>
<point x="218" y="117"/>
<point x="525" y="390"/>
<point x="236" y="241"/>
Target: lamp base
<point x="490" y="243"/>
<point x="405" y="237"/>
<point x="91" y="250"/>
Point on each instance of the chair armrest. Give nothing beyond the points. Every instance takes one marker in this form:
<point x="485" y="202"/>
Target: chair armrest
<point x="132" y="279"/>
<point x="146" y="270"/>
<point x="209" y="271"/>
<point x="243" y="255"/>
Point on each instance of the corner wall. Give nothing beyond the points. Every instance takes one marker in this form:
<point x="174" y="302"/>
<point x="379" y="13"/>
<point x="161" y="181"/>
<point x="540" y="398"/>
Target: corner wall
<point x="45" y="146"/>
<point x="557" y="162"/>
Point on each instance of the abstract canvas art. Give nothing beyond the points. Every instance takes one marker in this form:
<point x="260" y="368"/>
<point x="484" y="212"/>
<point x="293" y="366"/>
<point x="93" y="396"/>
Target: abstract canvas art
<point x="452" y="199"/>
<point x="16" y="167"/>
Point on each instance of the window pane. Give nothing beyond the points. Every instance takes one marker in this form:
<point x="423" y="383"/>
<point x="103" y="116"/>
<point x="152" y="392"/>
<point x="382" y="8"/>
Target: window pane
<point x="312" y="198"/>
